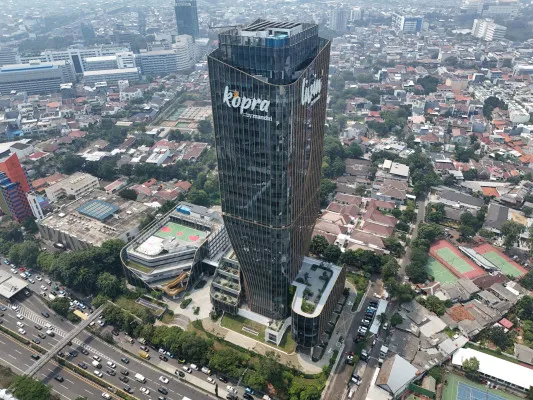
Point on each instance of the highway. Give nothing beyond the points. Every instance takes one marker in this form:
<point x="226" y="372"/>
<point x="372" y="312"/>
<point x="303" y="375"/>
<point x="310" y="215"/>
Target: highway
<point x="176" y="390"/>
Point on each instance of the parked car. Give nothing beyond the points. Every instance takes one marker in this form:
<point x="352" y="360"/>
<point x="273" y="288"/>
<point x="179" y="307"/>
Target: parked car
<point x="59" y="378"/>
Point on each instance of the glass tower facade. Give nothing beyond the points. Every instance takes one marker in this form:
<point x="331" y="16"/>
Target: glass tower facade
<point x="269" y="91"/>
<point x="187" y="18"/>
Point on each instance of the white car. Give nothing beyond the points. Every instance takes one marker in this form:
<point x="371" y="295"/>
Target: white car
<point x="231" y="389"/>
<point x="163" y="379"/>
<point x="40" y="279"/>
<point x="98" y="373"/>
<point x="210" y="380"/>
<point x="106" y="395"/>
<point x="43" y="288"/>
<point x="111" y="364"/>
<point x="20" y="317"/>
<point x="144" y="390"/>
<point x="13" y="270"/>
<point x="22" y="331"/>
<point x="20" y="324"/>
<point x="100" y="322"/>
<point x="31" y="281"/>
<point x="14" y="307"/>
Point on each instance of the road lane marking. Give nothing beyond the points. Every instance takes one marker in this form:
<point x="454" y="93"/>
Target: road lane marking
<point x="18" y="351"/>
<point x="63" y="395"/>
<point x="68" y="380"/>
<point x="12" y="365"/>
<point x="14" y="358"/>
<point x="88" y="391"/>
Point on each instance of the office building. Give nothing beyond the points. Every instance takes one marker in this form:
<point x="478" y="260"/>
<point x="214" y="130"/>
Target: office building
<point x="500" y="9"/>
<point x="75" y="186"/>
<point x="185" y="51"/>
<point x="356" y="14"/>
<point x="486" y="29"/>
<point x="102" y="62"/>
<point x="75" y="55"/>
<point x="407" y="24"/>
<point x="35" y="77"/>
<point x="126" y="59"/>
<point x="36" y="205"/>
<point x="14" y="185"/>
<point x="161" y="62"/>
<point x="8" y="56"/>
<point x="187" y="18"/>
<point x="111" y="76"/>
<point x="338" y="19"/>
<point x="268" y="89"/>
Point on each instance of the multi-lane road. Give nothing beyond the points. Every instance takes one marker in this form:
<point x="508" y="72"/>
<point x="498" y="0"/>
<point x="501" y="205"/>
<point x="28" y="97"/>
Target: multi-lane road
<point x="19" y="358"/>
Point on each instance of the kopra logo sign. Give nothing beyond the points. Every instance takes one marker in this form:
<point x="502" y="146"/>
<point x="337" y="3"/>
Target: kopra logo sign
<point x="246" y="105"/>
<point x="311" y="92"/>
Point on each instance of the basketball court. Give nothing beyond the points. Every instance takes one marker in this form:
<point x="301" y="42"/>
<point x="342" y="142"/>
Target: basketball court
<point x="182" y="232"/>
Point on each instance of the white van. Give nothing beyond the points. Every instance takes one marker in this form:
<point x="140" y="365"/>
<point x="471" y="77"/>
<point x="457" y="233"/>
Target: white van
<point x="351" y="392"/>
<point x="140" y="378"/>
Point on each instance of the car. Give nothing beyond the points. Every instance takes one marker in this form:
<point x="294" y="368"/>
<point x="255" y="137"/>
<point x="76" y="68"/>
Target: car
<point x="362" y="330"/>
<point x="14" y="307"/>
<point x="111" y="364"/>
<point x="20" y="324"/>
<point x="124" y="379"/>
<point x="128" y="389"/>
<point x="41" y="335"/>
<point x="125" y="360"/>
<point x="162" y="390"/>
<point x="161" y="351"/>
<point x="124" y="372"/>
<point x="194" y="366"/>
<point x="6" y="261"/>
<point x="115" y="332"/>
<point x="163" y="379"/>
<point x="144" y="348"/>
<point x="249" y="390"/>
<point x="106" y="395"/>
<point x="43" y="288"/>
<point x="247" y="396"/>
<point x="111" y="372"/>
<point x="3" y="308"/>
<point x="182" y="360"/>
<point x="59" y="378"/>
<point x="211" y="380"/>
<point x="82" y="365"/>
<point x="374" y="342"/>
<point x="181" y="374"/>
<point x="100" y="322"/>
<point x="96" y="358"/>
<point x="35" y="356"/>
<point x="98" y="373"/>
<point x="231" y="396"/>
<point x="356" y="379"/>
<point x="231" y="389"/>
<point x="1" y="321"/>
<point x="364" y="355"/>
<point x="187" y="369"/>
<point x="60" y="354"/>
<point x="22" y="331"/>
<point x="38" y="277"/>
<point x="373" y="304"/>
<point x="36" y="341"/>
<point x="73" y="353"/>
<point x="31" y="281"/>
<point x="385" y="326"/>
<point x="84" y="351"/>
<point x="161" y="398"/>
<point x="222" y="379"/>
<point x="45" y="314"/>
<point x="13" y="270"/>
<point x="145" y="390"/>
<point x="39" y="327"/>
<point x="19" y="316"/>
<point x="163" y="358"/>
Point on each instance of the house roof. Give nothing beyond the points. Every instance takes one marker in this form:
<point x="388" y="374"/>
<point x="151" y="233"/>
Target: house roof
<point x="395" y="373"/>
<point x="496" y="216"/>
<point x="458" y="197"/>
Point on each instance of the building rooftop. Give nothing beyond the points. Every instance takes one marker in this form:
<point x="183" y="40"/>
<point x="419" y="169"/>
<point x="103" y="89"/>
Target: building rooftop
<point x="313" y="286"/>
<point x="10" y="285"/>
<point x="84" y="217"/>
<point x="111" y="72"/>
<point x="100" y="58"/>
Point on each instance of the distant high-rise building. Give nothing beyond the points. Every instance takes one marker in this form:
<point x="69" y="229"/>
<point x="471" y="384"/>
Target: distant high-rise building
<point x="87" y="31"/>
<point x="338" y="19"/>
<point x="488" y="30"/>
<point x="14" y="185"/>
<point x="187" y="18"/>
<point x="407" y="24"/>
<point x="179" y="58"/>
<point x="356" y="14"/>
<point x="268" y="90"/>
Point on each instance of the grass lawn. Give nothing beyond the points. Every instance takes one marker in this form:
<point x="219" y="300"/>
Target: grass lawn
<point x="450" y="389"/>
<point x="167" y="318"/>
<point x="130" y="305"/>
<point x="237" y="323"/>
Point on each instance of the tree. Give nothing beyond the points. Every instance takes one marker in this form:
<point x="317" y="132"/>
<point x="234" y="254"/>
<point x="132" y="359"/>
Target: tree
<point x="31" y="226"/>
<point x="25" y="254"/>
<point x="128" y="194"/>
<point x="205" y="127"/>
<point x="497" y="335"/>
<point x="434" y="304"/>
<point x="429" y="83"/>
<point x="396" y="319"/>
<point x="228" y="361"/>
<point x="108" y="285"/>
<point x="511" y="231"/>
<point x="394" y="246"/>
<point x="332" y="253"/>
<point x="527" y="280"/>
<point x="527" y="211"/>
<point x="490" y="104"/>
<point x="354" y="151"/>
<point x="524" y="308"/>
<point x="327" y="187"/>
<point x="471" y="367"/>
<point x="198" y="197"/>
<point x="390" y="269"/>
<point x="416" y="272"/>
<point x="26" y="388"/>
<point x="318" y="245"/>
<point x="71" y="163"/>
<point x="60" y="305"/>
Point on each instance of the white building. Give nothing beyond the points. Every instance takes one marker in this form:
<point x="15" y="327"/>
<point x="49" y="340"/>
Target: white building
<point x="101" y="62"/>
<point x="497" y="370"/>
<point x="407" y="24"/>
<point x="35" y="206"/>
<point x="338" y="19"/>
<point x="185" y="51"/>
<point x="158" y="62"/>
<point x="111" y="75"/>
<point x="356" y="14"/>
<point x="488" y="30"/>
<point x="75" y="185"/>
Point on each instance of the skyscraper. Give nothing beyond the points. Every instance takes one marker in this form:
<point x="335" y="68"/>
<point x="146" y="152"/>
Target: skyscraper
<point x="268" y="89"/>
<point x="187" y="18"/>
<point x="13" y="188"/>
<point x="338" y="19"/>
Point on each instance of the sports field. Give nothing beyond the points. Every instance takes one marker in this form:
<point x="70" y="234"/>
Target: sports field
<point x="456" y="262"/>
<point x="460" y="388"/>
<point x="440" y="272"/>
<point x="507" y="266"/>
<point x="184" y="233"/>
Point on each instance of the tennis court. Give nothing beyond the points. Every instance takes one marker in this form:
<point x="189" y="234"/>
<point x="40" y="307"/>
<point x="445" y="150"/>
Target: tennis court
<point x="453" y="259"/>
<point x="184" y="233"/>
<point x="440" y="272"/>
<point x="459" y="388"/>
<point x="507" y="266"/>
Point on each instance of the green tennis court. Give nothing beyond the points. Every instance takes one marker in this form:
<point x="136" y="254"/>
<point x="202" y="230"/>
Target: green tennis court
<point x="440" y="272"/>
<point x="182" y="232"/>
<point x="503" y="264"/>
<point x="454" y="260"/>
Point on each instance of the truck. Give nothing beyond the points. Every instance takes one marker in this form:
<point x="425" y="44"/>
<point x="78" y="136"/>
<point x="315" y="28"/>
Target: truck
<point x="140" y="378"/>
<point x="144" y="355"/>
<point x="96" y="364"/>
